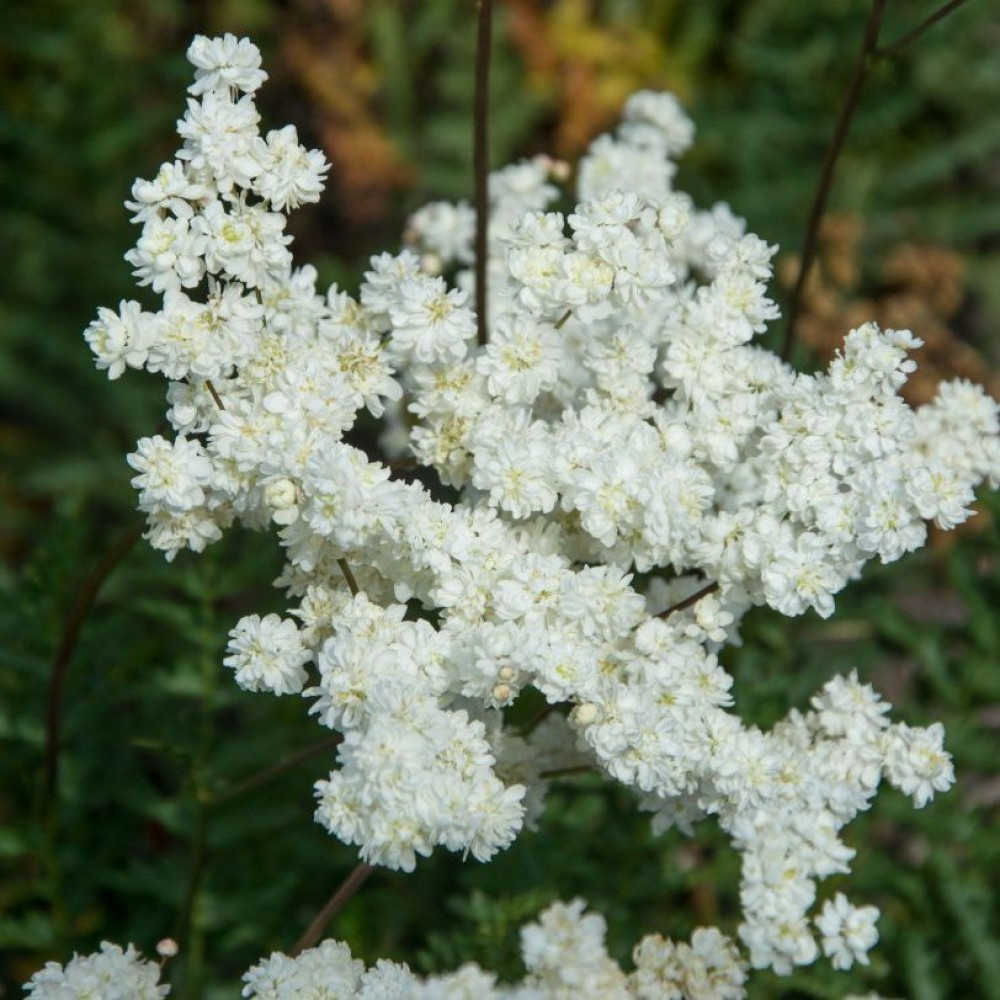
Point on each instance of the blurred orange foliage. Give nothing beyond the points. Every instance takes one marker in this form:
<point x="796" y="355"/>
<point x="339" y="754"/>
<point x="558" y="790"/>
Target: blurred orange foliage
<point x="587" y="63"/>
<point x="326" y="53"/>
<point x="917" y="287"/>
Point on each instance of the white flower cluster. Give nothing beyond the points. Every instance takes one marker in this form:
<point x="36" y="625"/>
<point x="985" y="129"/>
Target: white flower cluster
<point x="109" y="974"/>
<point x="619" y="420"/>
<point x="564" y="954"/>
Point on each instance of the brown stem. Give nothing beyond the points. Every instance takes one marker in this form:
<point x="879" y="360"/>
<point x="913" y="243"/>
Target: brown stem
<point x="709" y="588"/>
<point x="270" y="773"/>
<point x="481" y="157"/>
<point x="334" y="905"/>
<point x="869" y="45"/>
<point x="214" y="393"/>
<point x="911" y="36"/>
<point x="64" y="653"/>
<point x="561" y="322"/>
<point x="352" y="584"/>
<point x="543" y="713"/>
<point x="567" y="772"/>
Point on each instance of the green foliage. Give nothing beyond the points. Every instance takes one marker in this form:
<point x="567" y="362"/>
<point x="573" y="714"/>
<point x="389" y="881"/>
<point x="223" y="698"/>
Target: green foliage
<point x="168" y="817"/>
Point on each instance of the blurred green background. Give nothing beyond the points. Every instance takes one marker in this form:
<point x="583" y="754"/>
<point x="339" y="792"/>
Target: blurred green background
<point x="159" y="825"/>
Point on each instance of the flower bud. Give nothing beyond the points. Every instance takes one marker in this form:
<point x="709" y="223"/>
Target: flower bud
<point x="676" y="441"/>
<point x="501" y="692"/>
<point x="430" y="263"/>
<point x="167" y="948"/>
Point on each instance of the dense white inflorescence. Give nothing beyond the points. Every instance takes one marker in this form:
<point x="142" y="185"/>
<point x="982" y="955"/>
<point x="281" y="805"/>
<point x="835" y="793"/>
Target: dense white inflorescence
<point x="109" y="974"/>
<point x="619" y="421"/>
<point x="564" y="955"/>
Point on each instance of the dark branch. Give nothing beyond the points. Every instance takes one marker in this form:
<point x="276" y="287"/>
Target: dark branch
<point x="336" y="903"/>
<point x="214" y="393"/>
<point x="562" y="321"/>
<point x="64" y="653"/>
<point x="567" y="772"/>
<point x="352" y="584"/>
<point x="542" y="714"/>
<point x="709" y="588"/>
<point x="869" y="45"/>
<point x="481" y="156"/>
<point x="270" y="773"/>
<point x="911" y="36"/>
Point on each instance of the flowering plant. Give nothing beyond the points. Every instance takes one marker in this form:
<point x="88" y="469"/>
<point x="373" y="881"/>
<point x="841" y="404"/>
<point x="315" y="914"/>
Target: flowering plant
<point x="621" y="474"/>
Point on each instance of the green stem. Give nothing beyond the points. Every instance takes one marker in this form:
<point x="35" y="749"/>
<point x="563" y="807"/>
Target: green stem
<point x="85" y="599"/>
<point x="190" y="934"/>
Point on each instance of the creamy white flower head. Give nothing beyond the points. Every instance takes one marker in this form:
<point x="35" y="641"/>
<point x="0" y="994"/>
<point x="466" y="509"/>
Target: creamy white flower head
<point x="110" y="974"/>
<point x="445" y="229"/>
<point x="710" y="968"/>
<point x="267" y="655"/>
<point x="121" y="339"/>
<point x="620" y="420"/>
<point x="326" y="972"/>
<point x="222" y="63"/>
<point x="171" y="190"/>
<point x="291" y="175"/>
<point x="172" y="474"/>
<point x="848" y="932"/>
<point x="430" y="322"/>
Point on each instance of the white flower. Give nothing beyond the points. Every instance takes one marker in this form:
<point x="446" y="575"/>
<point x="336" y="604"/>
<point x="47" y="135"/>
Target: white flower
<point x="521" y="359"/>
<point x="267" y="655"/>
<point x="619" y="420"/>
<point x="326" y="972"/>
<point x="120" y="339"/>
<point x="171" y="190"/>
<point x="430" y="322"/>
<point x="445" y="229"/>
<point x="917" y="763"/>
<point x="221" y="63"/>
<point x="171" y="474"/>
<point x="222" y="144"/>
<point x="291" y="175"/>
<point x="710" y="968"/>
<point x="848" y="932"/>
<point x="246" y="244"/>
<point x="168" y="254"/>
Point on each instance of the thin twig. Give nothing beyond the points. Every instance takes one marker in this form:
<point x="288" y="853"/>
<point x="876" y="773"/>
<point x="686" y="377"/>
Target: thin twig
<point x="911" y="36"/>
<point x="270" y="773"/>
<point x="542" y="714"/>
<point x="64" y="654"/>
<point x="352" y="584"/>
<point x="214" y="393"/>
<point x="334" y="905"/>
<point x="709" y="588"/>
<point x="186" y="917"/>
<point x="481" y="157"/>
<point x="561" y="322"/>
<point x="567" y="772"/>
<point x="869" y="45"/>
